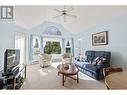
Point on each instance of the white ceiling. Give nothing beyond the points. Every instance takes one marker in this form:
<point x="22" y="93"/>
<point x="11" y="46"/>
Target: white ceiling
<point x="87" y="16"/>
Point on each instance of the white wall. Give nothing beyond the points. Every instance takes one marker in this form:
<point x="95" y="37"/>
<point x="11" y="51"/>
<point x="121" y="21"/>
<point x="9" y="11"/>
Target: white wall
<point x="117" y="36"/>
<point x="6" y="39"/>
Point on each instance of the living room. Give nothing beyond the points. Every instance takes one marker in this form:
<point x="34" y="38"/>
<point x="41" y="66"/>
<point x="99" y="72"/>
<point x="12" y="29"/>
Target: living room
<point x="59" y="29"/>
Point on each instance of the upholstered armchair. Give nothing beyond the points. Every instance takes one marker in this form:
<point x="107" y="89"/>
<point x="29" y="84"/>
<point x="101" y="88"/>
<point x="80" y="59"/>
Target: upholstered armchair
<point x="67" y="58"/>
<point x="45" y="60"/>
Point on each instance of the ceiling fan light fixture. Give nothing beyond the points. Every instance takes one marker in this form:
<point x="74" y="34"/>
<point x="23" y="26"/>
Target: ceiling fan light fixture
<point x="65" y="13"/>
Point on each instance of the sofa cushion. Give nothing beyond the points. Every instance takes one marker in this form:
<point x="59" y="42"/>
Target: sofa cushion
<point x="81" y="64"/>
<point x="90" y="56"/>
<point x="91" y="68"/>
<point x="99" y="53"/>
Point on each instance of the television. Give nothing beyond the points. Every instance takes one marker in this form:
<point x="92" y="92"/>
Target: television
<point x="11" y="60"/>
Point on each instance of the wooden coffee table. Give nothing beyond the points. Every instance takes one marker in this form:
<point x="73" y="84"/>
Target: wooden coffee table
<point x="71" y="72"/>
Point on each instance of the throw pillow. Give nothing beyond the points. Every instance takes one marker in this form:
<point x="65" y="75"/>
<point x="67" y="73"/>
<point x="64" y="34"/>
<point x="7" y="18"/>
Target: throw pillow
<point x="101" y="61"/>
<point x="104" y="59"/>
<point x="77" y="59"/>
<point x="96" y="60"/>
<point x="83" y="58"/>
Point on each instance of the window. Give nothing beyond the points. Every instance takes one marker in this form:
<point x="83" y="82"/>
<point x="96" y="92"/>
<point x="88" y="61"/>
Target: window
<point x="52" y="31"/>
<point x="36" y="45"/>
<point x="68" y="47"/>
<point x="68" y="50"/>
<point x="52" y="48"/>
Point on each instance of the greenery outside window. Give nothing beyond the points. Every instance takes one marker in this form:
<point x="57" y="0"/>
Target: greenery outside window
<point x="52" y="48"/>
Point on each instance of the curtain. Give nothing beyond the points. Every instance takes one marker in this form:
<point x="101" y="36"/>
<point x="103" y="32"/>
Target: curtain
<point x="41" y="45"/>
<point x="31" y="48"/>
<point x="63" y="45"/>
<point x="73" y="46"/>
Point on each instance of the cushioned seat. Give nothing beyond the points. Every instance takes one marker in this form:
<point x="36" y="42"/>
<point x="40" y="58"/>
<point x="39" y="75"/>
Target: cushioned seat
<point x="45" y="60"/>
<point x="91" y="68"/>
<point x="81" y="64"/>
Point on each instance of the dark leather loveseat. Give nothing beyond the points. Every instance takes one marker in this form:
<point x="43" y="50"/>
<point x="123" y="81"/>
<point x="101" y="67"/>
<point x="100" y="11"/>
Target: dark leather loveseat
<point x="87" y="67"/>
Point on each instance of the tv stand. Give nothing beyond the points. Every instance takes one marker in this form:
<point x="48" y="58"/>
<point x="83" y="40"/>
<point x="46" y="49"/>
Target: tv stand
<point x="15" y="78"/>
<point x="8" y="74"/>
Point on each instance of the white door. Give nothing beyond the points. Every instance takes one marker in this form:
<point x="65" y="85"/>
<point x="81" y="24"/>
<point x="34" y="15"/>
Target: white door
<point x="20" y="44"/>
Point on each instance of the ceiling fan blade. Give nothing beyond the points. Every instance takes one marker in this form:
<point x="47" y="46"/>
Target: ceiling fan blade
<point x="57" y="10"/>
<point x="71" y="15"/>
<point x="70" y="9"/>
<point x="58" y="16"/>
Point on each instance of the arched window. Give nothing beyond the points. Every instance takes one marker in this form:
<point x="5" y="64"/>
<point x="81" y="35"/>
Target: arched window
<point x="52" y="30"/>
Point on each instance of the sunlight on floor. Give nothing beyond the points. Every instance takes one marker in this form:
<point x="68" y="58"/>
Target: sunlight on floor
<point x="55" y="64"/>
<point x="42" y="73"/>
<point x="85" y="77"/>
<point x="81" y="75"/>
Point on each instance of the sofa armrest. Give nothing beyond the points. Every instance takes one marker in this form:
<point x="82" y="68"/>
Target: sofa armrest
<point x="102" y="66"/>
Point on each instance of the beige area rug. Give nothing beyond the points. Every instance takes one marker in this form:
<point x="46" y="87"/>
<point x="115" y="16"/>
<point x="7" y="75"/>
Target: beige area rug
<point x="47" y="78"/>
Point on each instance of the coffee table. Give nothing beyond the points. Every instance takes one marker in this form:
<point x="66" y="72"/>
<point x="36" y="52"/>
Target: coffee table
<point x="71" y="72"/>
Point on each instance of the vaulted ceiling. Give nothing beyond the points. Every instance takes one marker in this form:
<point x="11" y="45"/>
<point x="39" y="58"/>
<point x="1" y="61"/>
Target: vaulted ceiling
<point x="87" y="16"/>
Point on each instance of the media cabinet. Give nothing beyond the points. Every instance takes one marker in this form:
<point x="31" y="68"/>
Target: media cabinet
<point x="15" y="79"/>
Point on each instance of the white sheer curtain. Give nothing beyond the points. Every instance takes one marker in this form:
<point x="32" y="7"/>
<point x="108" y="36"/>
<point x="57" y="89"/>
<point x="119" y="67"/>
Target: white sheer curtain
<point x="20" y="44"/>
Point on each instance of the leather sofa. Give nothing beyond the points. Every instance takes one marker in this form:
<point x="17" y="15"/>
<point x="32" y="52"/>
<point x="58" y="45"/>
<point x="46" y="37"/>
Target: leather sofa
<point x="87" y="67"/>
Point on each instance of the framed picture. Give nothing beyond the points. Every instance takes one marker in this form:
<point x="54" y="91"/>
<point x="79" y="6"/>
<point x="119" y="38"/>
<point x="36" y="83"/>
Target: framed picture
<point x="100" y="38"/>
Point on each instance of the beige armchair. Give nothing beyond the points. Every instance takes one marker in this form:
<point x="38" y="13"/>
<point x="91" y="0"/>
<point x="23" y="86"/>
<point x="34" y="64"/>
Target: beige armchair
<point x="67" y="58"/>
<point x="45" y="60"/>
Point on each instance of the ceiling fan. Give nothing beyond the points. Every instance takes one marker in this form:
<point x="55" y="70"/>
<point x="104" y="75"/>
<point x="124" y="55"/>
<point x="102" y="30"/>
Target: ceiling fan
<point x="65" y="13"/>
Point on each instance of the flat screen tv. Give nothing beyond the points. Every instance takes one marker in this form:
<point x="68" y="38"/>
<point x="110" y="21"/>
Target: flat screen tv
<point x="11" y="59"/>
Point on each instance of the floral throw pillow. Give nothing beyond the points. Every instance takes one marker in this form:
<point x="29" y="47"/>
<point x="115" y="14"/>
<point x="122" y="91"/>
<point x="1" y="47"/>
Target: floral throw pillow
<point x="96" y="60"/>
<point x="102" y="61"/>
